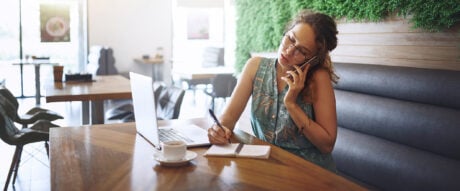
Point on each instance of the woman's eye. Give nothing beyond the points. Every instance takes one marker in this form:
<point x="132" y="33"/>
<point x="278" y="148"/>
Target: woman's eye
<point x="292" y="39"/>
<point x="302" y="52"/>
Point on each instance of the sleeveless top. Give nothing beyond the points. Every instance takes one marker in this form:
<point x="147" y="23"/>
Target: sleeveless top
<point x="271" y="122"/>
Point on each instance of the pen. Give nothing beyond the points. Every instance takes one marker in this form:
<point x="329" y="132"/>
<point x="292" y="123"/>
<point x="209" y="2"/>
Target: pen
<point x="216" y="121"/>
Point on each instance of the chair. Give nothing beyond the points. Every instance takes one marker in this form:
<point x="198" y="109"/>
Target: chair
<point x="33" y="115"/>
<point x="124" y="111"/>
<point x="222" y="87"/>
<point x="212" y="57"/>
<point x="169" y="102"/>
<point x="167" y="105"/>
<point x="11" y="135"/>
<point x="101" y="61"/>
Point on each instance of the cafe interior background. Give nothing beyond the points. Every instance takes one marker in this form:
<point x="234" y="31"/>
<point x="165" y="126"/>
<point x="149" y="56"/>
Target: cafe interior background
<point x="146" y="27"/>
<point x="134" y="29"/>
<point x="181" y="30"/>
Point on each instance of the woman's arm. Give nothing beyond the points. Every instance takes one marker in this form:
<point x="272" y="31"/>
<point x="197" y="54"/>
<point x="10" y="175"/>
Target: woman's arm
<point x="322" y="132"/>
<point x="241" y="94"/>
<point x="236" y="104"/>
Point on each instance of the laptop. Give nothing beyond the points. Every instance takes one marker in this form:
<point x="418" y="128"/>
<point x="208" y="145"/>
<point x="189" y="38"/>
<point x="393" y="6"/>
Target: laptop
<point x="146" y="118"/>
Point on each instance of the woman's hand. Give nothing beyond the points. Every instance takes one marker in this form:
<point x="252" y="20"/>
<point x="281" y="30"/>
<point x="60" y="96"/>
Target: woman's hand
<point x="218" y="135"/>
<point x="296" y="83"/>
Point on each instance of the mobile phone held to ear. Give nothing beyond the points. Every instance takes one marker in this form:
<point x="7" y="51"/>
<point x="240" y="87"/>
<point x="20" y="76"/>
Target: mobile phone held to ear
<point x="312" y="61"/>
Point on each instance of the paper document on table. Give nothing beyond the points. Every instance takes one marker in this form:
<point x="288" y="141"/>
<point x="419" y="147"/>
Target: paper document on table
<point x="239" y="150"/>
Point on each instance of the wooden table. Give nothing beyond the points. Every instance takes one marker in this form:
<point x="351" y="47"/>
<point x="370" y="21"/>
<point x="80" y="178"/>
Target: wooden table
<point x="36" y="64"/>
<point x="194" y="77"/>
<point x="202" y="73"/>
<point x="157" y="66"/>
<point x="115" y="157"/>
<point x="102" y="88"/>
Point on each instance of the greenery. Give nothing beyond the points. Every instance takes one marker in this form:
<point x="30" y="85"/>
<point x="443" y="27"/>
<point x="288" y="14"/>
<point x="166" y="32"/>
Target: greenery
<point x="260" y="23"/>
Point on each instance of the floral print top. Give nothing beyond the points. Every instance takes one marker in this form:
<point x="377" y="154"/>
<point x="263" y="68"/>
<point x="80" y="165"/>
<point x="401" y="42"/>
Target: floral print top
<point x="271" y="122"/>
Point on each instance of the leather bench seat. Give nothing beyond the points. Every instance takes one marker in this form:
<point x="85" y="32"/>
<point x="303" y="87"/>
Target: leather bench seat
<point x="398" y="126"/>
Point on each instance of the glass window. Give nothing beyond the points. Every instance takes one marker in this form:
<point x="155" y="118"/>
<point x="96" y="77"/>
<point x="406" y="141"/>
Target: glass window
<point x="39" y="18"/>
<point x="194" y="29"/>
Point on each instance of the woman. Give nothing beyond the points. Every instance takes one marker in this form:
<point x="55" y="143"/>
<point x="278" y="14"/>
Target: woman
<point x="293" y="106"/>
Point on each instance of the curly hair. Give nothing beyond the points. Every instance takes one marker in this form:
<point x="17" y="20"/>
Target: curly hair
<point x="326" y="32"/>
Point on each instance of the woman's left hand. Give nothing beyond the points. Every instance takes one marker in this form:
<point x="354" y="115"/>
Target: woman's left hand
<point x="296" y="83"/>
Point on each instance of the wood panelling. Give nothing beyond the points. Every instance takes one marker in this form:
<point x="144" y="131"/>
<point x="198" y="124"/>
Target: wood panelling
<point x="394" y="42"/>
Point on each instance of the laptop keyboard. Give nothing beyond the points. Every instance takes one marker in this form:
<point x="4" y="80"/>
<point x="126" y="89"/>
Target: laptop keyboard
<point x="172" y="135"/>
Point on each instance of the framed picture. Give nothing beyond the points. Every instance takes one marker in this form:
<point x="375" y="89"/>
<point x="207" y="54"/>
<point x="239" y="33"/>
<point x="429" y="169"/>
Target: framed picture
<point x="54" y="23"/>
<point x="198" y="26"/>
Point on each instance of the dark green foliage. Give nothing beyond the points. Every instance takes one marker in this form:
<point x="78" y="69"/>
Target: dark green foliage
<point x="261" y="23"/>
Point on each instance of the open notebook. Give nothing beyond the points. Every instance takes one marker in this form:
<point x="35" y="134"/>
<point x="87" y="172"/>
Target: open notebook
<point x="239" y="150"/>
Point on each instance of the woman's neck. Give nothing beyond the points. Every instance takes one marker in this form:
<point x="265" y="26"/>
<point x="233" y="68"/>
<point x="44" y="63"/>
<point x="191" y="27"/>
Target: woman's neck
<point x="280" y="72"/>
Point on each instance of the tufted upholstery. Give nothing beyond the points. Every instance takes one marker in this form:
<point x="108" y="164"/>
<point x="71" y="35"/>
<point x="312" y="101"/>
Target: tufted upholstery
<point x="399" y="127"/>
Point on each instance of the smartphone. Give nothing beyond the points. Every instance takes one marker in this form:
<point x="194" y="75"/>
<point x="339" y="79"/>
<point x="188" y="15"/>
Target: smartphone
<point x="313" y="62"/>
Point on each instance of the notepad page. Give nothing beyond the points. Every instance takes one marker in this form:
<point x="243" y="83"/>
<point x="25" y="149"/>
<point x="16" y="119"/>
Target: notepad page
<point x="222" y="150"/>
<point x="255" y="151"/>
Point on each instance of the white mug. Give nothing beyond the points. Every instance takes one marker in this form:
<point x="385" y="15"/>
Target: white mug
<point x="174" y="150"/>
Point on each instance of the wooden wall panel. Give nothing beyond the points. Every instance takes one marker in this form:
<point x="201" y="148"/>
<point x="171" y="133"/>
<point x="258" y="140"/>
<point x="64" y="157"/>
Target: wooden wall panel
<point x="398" y="52"/>
<point x="394" y="42"/>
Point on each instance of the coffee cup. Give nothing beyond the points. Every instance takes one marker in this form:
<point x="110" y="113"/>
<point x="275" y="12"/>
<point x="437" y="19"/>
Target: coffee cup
<point x="174" y="150"/>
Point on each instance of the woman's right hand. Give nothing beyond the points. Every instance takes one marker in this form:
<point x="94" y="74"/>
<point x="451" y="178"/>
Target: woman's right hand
<point x="218" y="135"/>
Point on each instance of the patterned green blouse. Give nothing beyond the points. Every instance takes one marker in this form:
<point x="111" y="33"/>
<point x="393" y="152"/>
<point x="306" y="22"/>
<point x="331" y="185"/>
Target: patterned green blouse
<point x="271" y="122"/>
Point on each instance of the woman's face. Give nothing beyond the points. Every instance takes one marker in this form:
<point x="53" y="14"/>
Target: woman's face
<point x="297" y="46"/>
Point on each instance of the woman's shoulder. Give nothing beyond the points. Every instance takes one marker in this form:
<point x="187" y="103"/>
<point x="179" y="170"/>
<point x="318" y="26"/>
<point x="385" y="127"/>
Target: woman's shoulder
<point x="252" y="65"/>
<point x="322" y="78"/>
<point x="255" y="62"/>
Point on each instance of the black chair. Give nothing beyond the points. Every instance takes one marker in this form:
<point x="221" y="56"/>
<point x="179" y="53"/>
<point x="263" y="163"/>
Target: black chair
<point x="33" y="115"/>
<point x="11" y="135"/>
<point x="169" y="102"/>
<point x="167" y="105"/>
<point x="125" y="111"/>
<point x="101" y="61"/>
<point x="222" y="87"/>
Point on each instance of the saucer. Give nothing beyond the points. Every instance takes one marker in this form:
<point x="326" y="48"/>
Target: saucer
<point x="190" y="155"/>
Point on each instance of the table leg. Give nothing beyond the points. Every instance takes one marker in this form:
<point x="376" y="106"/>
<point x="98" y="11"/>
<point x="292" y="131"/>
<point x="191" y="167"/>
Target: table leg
<point x="157" y="72"/>
<point x="154" y="72"/>
<point x="21" y="70"/>
<point x="85" y="112"/>
<point x="97" y="112"/>
<point x="37" y="84"/>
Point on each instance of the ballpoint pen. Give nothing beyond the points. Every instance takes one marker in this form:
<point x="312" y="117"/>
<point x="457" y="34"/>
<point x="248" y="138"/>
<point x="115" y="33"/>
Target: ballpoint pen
<point x="217" y="121"/>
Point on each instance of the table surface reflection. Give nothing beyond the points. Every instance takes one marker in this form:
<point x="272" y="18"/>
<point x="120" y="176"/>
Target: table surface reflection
<point x="102" y="88"/>
<point x="115" y="157"/>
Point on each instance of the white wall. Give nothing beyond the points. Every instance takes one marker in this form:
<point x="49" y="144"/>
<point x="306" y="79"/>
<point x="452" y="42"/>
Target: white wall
<point x="132" y="28"/>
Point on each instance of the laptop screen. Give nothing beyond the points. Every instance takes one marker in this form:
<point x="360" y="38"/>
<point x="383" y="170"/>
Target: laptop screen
<point x="144" y="107"/>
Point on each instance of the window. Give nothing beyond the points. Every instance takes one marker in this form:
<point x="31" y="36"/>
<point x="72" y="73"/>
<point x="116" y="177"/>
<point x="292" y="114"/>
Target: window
<point x="28" y="42"/>
<point x="195" y="27"/>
